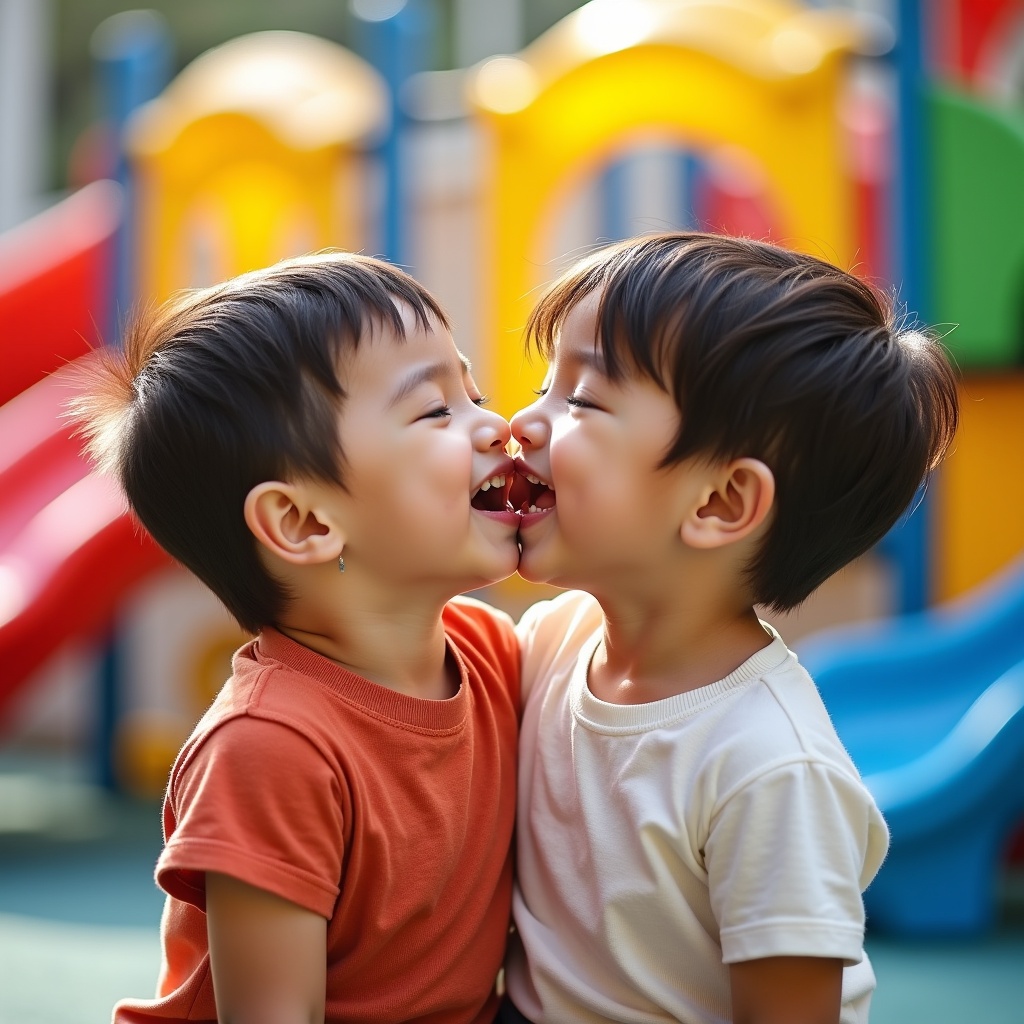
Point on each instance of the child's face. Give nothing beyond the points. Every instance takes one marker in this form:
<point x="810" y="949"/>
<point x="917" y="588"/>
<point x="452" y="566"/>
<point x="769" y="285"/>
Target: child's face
<point x="417" y="447"/>
<point x="598" y="444"/>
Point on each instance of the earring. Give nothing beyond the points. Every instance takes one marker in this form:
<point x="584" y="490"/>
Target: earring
<point x="341" y="563"/>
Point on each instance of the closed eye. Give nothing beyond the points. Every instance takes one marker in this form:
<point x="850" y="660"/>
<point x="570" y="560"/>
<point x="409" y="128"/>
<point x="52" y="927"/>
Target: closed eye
<point x="442" y="412"/>
<point x="578" y="403"/>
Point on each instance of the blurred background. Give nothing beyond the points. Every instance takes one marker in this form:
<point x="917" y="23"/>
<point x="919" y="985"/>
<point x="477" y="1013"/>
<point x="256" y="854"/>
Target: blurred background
<point x="482" y="145"/>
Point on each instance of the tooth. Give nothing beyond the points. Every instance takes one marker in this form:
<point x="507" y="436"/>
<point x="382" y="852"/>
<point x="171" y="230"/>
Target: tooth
<point x="497" y="481"/>
<point x="532" y="479"/>
<point x="533" y="508"/>
<point x="486" y="485"/>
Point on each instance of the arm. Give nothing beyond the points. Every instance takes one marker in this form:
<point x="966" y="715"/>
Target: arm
<point x="786" y="990"/>
<point x="268" y="956"/>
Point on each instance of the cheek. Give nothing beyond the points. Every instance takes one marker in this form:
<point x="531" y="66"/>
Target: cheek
<point x="444" y="469"/>
<point x="583" y="462"/>
<point x="571" y="453"/>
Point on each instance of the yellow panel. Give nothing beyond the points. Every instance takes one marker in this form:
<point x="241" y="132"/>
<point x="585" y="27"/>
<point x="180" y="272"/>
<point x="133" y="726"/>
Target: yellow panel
<point x="762" y="76"/>
<point x="979" y="525"/>
<point x="253" y="153"/>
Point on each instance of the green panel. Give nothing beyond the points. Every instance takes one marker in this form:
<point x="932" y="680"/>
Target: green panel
<point x="977" y="197"/>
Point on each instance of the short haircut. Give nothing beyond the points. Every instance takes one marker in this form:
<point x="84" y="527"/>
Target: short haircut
<point x="779" y="356"/>
<point x="224" y="388"/>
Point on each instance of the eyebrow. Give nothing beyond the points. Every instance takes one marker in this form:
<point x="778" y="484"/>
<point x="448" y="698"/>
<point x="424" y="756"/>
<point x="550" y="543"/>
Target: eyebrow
<point x="427" y="373"/>
<point x="588" y="357"/>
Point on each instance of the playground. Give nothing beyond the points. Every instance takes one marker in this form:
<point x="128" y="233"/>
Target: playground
<point x="888" y="138"/>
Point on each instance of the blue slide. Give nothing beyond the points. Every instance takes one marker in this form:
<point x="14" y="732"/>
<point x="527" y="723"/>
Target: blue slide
<point x="931" y="708"/>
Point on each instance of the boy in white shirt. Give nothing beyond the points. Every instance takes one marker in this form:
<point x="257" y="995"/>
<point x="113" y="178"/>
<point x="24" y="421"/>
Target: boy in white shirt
<point x="724" y="424"/>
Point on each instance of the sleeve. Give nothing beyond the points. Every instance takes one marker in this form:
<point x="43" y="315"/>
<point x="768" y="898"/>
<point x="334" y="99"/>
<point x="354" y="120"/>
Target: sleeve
<point x="256" y="800"/>
<point x="788" y="855"/>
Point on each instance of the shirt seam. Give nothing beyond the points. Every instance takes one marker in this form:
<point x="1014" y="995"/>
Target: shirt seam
<point x="771" y="767"/>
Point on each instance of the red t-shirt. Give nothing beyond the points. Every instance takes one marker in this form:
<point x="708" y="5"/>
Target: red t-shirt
<point x="389" y="815"/>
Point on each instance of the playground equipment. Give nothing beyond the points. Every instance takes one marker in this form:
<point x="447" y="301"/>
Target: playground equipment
<point x="275" y="143"/>
<point x="68" y="551"/>
<point x="931" y="708"/>
<point x="760" y="75"/>
<point x="63" y="533"/>
<point x="55" y="297"/>
<point x="251" y="154"/>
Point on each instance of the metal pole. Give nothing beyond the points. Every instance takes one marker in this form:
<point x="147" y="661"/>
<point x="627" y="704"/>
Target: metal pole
<point x="132" y="52"/>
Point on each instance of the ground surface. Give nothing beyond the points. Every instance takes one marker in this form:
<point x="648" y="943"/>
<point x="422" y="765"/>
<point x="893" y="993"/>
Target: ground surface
<point x="79" y="919"/>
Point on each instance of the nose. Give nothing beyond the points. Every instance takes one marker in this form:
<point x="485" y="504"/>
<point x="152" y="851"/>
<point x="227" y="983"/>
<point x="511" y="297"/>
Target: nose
<point x="530" y="428"/>
<point x="493" y="430"/>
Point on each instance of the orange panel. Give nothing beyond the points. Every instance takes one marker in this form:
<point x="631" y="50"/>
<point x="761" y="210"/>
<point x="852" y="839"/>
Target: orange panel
<point x="979" y="522"/>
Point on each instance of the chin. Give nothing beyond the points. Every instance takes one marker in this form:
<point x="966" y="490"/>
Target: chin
<point x="538" y="570"/>
<point x="500" y="567"/>
<point x="533" y="570"/>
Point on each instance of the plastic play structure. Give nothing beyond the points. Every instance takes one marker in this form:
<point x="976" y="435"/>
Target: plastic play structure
<point x="274" y="122"/>
<point x="758" y="75"/>
<point x="276" y="143"/>
<point x="68" y="552"/>
<point x="931" y="708"/>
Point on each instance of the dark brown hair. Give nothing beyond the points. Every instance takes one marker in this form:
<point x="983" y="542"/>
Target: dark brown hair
<point x="221" y="389"/>
<point x="779" y="356"/>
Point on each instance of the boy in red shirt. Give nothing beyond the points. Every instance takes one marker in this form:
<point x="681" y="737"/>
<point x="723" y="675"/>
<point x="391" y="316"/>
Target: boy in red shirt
<point x="310" y="443"/>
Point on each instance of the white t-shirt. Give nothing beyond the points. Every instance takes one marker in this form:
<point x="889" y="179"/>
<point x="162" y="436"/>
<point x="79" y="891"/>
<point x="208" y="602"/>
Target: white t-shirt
<point x="658" y="843"/>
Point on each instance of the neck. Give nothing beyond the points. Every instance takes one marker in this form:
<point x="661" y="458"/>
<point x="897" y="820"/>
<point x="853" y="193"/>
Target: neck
<point x="670" y="643"/>
<point x="399" y="644"/>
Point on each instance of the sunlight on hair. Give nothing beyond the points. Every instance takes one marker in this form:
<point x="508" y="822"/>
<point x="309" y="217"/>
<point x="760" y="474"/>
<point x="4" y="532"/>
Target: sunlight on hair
<point x="101" y="409"/>
<point x="914" y="340"/>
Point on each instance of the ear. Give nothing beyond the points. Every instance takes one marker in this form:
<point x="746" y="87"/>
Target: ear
<point x="735" y="500"/>
<point x="287" y="521"/>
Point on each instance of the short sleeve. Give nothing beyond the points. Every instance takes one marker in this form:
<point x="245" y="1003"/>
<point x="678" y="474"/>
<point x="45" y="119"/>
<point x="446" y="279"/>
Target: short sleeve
<point x="788" y="855"/>
<point x="258" y="801"/>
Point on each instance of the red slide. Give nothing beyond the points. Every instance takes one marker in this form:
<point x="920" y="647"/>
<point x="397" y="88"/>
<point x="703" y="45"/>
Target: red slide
<point x="68" y="550"/>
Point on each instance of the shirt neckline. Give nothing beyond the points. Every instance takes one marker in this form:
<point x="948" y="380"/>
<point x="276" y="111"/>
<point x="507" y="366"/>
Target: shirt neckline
<point x="381" y="701"/>
<point x="600" y="716"/>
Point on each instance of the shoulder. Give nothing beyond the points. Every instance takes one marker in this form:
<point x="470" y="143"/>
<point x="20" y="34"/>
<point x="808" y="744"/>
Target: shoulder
<point x="566" y="619"/>
<point x="775" y="746"/>
<point x="255" y="798"/>
<point x="775" y="716"/>
<point x="271" y="704"/>
<point x="485" y="637"/>
<point x="249" y="745"/>
<point x="473" y="622"/>
<point x="552" y="632"/>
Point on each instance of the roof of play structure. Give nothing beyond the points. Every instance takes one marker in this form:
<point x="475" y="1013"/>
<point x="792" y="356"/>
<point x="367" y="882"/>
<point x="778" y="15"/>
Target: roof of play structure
<point x="774" y="40"/>
<point x="311" y="92"/>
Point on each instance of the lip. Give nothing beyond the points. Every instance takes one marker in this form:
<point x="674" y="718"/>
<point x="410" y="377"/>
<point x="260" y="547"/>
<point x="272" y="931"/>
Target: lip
<point x="507" y="517"/>
<point x="530" y="518"/>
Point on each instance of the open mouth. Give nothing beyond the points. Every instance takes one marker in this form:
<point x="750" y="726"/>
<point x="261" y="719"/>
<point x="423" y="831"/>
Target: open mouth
<point x="493" y="494"/>
<point x="529" y="494"/>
